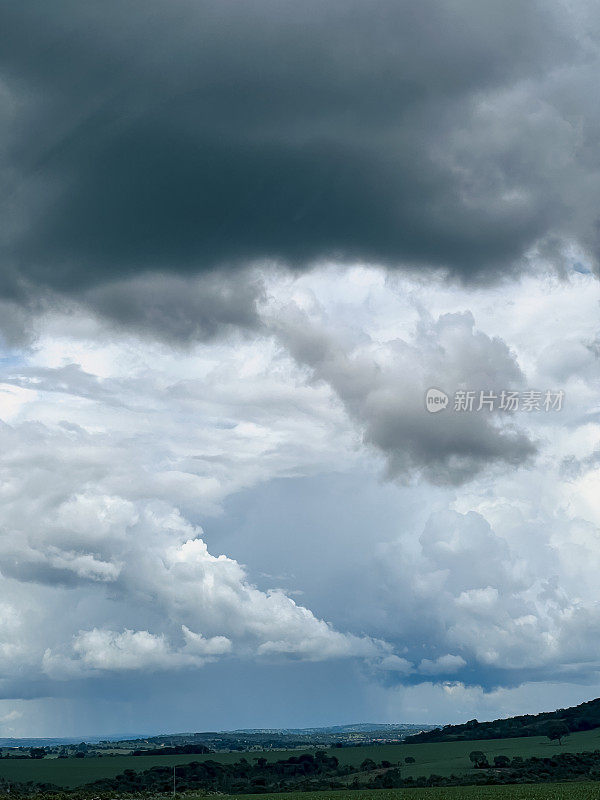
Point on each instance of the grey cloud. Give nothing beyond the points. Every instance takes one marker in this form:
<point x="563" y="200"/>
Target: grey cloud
<point x="17" y="326"/>
<point x="199" y="136"/>
<point x="178" y="309"/>
<point x="69" y="379"/>
<point x="383" y="389"/>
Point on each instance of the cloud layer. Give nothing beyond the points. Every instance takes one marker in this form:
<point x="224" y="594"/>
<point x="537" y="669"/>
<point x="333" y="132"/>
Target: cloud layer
<point x="238" y="244"/>
<point x="113" y="451"/>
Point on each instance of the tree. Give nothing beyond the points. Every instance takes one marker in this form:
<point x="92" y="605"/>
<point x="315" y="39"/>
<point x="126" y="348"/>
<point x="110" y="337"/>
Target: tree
<point x="368" y="763"/>
<point x="392" y="779"/>
<point x="557" y="731"/>
<point x="478" y="759"/>
<point x="501" y="761"/>
<point x="409" y="760"/>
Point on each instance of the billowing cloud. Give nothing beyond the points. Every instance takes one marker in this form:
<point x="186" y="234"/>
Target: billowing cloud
<point x="442" y="665"/>
<point x="142" y="553"/>
<point x="383" y="387"/>
<point x="101" y="650"/>
<point x="83" y="511"/>
<point x="473" y="592"/>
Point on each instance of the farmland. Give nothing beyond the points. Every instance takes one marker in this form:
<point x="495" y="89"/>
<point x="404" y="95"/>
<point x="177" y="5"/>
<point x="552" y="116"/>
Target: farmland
<point x="553" y="791"/>
<point x="443" y="758"/>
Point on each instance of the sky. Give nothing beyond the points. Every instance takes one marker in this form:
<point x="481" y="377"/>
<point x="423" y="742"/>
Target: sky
<point x="241" y="243"/>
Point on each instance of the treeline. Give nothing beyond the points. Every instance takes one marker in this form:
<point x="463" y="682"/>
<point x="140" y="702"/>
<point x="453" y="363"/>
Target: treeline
<point x="562" y="767"/>
<point x="309" y="773"/>
<point x="294" y="773"/>
<point x="182" y="749"/>
<point x="583" y="717"/>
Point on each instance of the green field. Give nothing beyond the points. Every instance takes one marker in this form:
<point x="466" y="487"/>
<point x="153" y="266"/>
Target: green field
<point x="442" y="758"/>
<point x="550" y="791"/>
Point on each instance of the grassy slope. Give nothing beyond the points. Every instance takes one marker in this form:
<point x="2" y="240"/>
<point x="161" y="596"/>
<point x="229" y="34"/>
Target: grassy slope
<point x="441" y="758"/>
<point x="552" y="791"/>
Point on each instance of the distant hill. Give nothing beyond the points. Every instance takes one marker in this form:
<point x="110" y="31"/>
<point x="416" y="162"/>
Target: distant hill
<point x="583" y="717"/>
<point x="243" y="739"/>
<point x="357" y="727"/>
<point x="281" y="738"/>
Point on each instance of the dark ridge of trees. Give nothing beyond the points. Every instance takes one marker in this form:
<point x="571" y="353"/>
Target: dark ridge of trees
<point x="320" y="770"/>
<point x="563" y="767"/>
<point x="183" y="749"/>
<point x="583" y="717"/>
<point x="308" y="773"/>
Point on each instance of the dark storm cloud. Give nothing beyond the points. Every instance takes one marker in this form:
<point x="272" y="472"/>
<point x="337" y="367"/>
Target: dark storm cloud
<point x="195" y="136"/>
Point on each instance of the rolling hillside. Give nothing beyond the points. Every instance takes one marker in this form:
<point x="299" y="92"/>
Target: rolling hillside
<point x="584" y="717"/>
